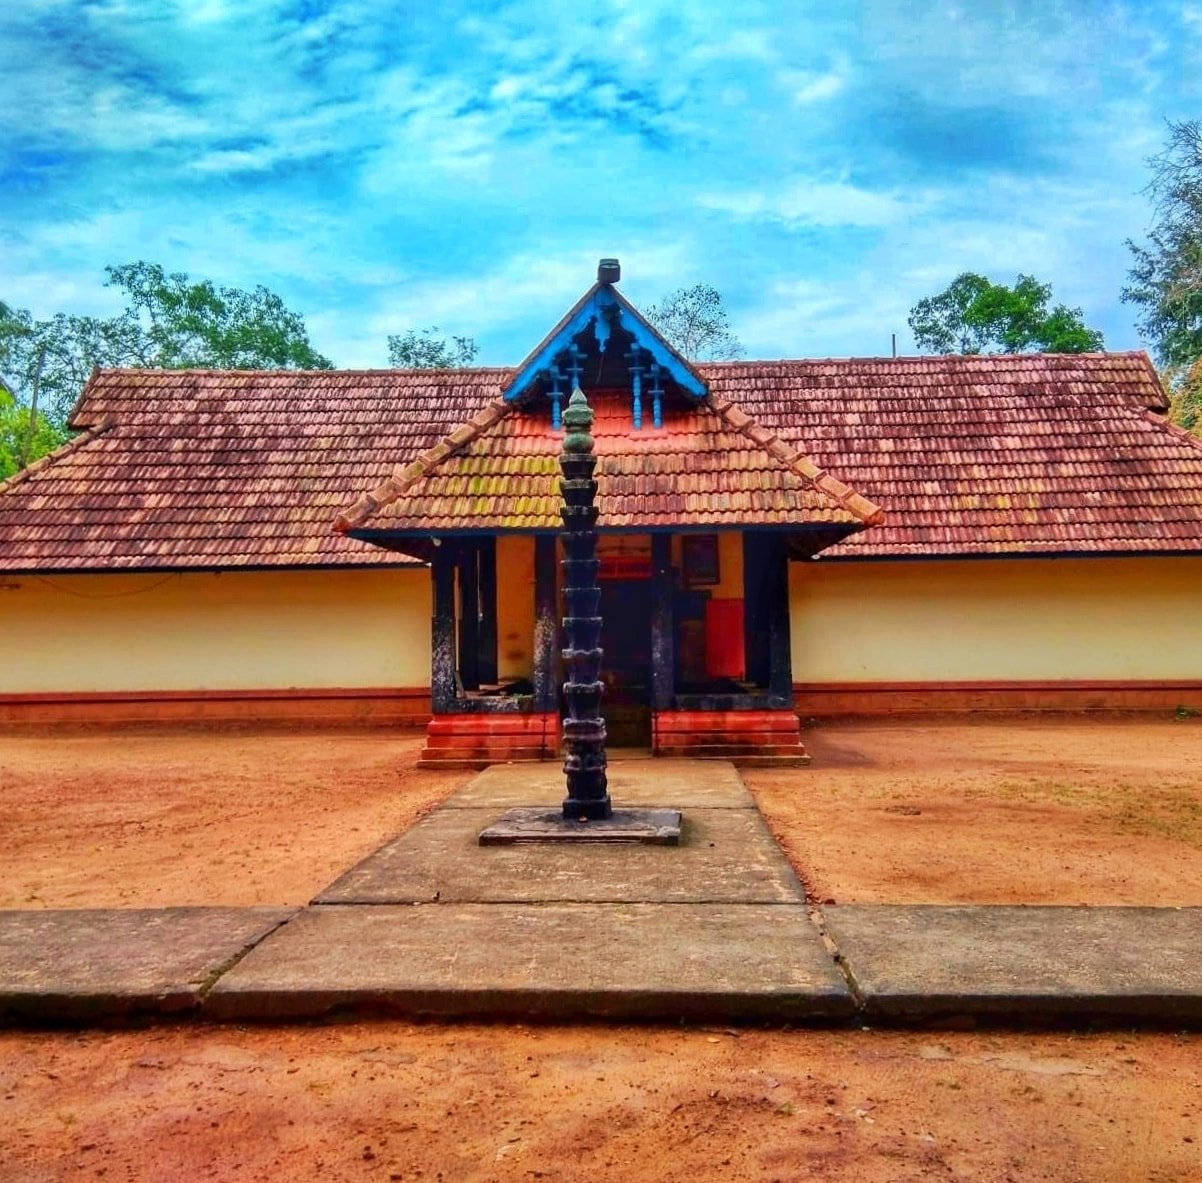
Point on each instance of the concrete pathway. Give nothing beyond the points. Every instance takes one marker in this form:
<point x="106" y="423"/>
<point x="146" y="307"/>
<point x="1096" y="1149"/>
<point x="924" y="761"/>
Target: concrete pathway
<point x="716" y="929"/>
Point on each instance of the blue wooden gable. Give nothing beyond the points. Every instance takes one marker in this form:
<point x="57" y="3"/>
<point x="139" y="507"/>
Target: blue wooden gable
<point x="604" y="341"/>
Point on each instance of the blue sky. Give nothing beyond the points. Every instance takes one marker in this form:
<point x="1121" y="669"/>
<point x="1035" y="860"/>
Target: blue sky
<point x="399" y="164"/>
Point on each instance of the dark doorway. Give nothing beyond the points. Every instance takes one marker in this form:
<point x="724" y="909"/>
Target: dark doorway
<point x="626" y="669"/>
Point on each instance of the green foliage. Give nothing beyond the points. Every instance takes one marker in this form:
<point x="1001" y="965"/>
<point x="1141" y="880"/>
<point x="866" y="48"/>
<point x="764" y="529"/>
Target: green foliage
<point x="425" y="350"/>
<point x="973" y="315"/>
<point x="181" y="325"/>
<point x="23" y="437"/>
<point x="694" y="321"/>
<point x="47" y="362"/>
<point x="1184" y="384"/>
<point x="1166" y="278"/>
<point x="168" y="322"/>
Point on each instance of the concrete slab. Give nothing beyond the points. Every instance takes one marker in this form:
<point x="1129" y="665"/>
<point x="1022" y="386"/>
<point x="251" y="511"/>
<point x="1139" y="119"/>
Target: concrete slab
<point x="552" y="961"/>
<point x="1021" y="965"/>
<point x="724" y="856"/>
<point x="85" y="964"/>
<point x="677" y="784"/>
<point x="658" y="827"/>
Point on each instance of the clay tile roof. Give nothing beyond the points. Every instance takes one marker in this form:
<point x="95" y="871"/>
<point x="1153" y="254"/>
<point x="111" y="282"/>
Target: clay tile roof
<point x="209" y="469"/>
<point x="976" y="455"/>
<point x="707" y="466"/>
<point x="989" y="455"/>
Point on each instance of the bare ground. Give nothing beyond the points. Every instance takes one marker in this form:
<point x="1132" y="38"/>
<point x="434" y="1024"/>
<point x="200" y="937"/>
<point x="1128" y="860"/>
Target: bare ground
<point x="995" y="811"/>
<point x="1029" y="810"/>
<point x="149" y="819"/>
<point x="393" y="1101"/>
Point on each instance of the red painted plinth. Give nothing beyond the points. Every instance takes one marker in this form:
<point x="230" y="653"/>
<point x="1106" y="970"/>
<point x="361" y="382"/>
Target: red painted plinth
<point x="746" y="737"/>
<point x="475" y="741"/>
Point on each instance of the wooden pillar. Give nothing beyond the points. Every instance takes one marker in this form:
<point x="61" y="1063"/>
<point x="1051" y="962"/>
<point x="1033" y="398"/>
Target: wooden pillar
<point x="442" y="631"/>
<point x="469" y="616"/>
<point x="756" y="646"/>
<point x="546" y="680"/>
<point x="663" y="624"/>
<point x="488" y="611"/>
<point x="776" y="602"/>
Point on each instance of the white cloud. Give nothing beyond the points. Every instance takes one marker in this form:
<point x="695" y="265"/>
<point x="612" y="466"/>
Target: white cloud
<point x="204" y="12"/>
<point x="805" y="202"/>
<point x="811" y="318"/>
<point x="814" y="86"/>
<point x="457" y="175"/>
<point x="751" y="44"/>
<point x="526" y="288"/>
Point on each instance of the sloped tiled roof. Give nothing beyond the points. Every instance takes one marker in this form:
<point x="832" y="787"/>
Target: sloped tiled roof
<point x="971" y="455"/>
<point x="709" y="465"/>
<point x="988" y="455"/>
<point x="201" y="469"/>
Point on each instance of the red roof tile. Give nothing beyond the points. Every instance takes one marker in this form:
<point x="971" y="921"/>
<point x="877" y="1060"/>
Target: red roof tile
<point x="990" y="455"/>
<point x="709" y="465"/>
<point x="204" y="469"/>
<point x="980" y="455"/>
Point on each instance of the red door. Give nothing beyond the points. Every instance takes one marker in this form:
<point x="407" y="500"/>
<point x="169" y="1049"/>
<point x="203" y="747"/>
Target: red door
<point x="724" y="639"/>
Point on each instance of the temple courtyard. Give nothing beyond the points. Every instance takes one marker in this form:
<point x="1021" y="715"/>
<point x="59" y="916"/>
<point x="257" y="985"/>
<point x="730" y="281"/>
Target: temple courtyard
<point x="1035" y="810"/>
<point x="1044" y="811"/>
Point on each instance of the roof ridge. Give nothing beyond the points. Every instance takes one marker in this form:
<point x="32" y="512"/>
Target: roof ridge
<point x="913" y="358"/>
<point x="227" y="373"/>
<point x="838" y="491"/>
<point x="72" y="445"/>
<point x="403" y="479"/>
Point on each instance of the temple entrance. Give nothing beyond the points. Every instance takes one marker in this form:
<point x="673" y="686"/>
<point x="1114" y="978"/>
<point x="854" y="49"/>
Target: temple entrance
<point x="626" y="671"/>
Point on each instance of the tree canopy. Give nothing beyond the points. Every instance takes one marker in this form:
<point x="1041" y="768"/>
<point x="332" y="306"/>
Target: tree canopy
<point x="181" y="324"/>
<point x="694" y="321"/>
<point x="23" y="436"/>
<point x="1166" y="277"/>
<point x="426" y="350"/>
<point x="1165" y="280"/>
<point x="45" y="363"/>
<point x="169" y="322"/>
<point x="1184" y="385"/>
<point x="974" y="315"/>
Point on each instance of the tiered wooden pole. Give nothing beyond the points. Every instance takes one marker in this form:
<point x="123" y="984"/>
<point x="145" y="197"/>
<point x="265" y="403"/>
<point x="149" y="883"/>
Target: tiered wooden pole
<point x="584" y="727"/>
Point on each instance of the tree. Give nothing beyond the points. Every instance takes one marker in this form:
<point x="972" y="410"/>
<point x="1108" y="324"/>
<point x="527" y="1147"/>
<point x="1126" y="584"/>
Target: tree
<point x="694" y="321"/>
<point x="169" y="322"/>
<point x="1184" y="384"/>
<point x="181" y="324"/>
<point x="45" y="363"/>
<point x="973" y="315"/>
<point x="1166" y="278"/>
<point x="23" y="436"/>
<point x="424" y="350"/>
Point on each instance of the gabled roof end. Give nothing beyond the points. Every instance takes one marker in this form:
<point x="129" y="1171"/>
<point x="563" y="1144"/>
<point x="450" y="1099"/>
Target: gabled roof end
<point x="607" y="313"/>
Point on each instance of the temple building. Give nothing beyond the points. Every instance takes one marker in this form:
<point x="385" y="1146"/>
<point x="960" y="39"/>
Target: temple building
<point x="778" y="539"/>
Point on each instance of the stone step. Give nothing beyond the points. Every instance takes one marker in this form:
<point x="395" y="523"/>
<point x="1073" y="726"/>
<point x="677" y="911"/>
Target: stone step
<point x="701" y="749"/>
<point x="501" y="723"/>
<point x="465" y="743"/>
<point x="477" y="756"/>
<point x="798" y="761"/>
<point x="771" y="720"/>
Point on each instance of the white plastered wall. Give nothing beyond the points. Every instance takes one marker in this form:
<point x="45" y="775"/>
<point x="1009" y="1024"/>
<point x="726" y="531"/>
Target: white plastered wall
<point x="996" y="620"/>
<point x="992" y="620"/>
<point x="237" y="630"/>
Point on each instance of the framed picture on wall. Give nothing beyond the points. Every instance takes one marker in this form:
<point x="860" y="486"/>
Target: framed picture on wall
<point x="699" y="560"/>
